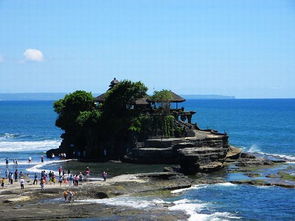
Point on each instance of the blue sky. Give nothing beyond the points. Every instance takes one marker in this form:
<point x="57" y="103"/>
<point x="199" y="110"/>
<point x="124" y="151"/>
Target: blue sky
<point x="230" y="47"/>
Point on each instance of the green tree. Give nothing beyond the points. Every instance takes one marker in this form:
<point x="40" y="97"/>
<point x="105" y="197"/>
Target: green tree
<point x="119" y="115"/>
<point x="69" y="108"/>
<point x="163" y="97"/>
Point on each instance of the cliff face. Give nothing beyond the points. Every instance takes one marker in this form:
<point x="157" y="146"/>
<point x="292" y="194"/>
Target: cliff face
<point x="203" y="152"/>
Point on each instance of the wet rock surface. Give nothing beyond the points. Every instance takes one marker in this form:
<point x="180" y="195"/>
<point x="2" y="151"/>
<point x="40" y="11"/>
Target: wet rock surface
<point x="34" y="204"/>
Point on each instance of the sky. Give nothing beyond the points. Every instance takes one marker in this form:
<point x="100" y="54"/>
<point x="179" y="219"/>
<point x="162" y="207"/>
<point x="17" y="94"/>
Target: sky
<point x="231" y="47"/>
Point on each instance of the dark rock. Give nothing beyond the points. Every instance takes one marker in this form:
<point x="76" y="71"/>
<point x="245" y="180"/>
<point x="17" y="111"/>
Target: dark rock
<point x="101" y="195"/>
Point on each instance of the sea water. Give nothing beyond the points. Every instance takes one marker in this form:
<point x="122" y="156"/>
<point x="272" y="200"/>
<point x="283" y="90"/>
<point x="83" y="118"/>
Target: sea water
<point x="257" y="125"/>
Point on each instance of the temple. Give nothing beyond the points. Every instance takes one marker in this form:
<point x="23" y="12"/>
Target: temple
<point x="147" y="104"/>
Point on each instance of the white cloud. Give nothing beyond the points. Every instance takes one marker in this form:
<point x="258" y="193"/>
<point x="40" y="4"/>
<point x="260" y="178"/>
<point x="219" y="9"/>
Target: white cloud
<point x="33" y="55"/>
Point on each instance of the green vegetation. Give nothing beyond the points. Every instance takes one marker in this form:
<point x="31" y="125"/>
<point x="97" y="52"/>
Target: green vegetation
<point x="107" y="130"/>
<point x="286" y="176"/>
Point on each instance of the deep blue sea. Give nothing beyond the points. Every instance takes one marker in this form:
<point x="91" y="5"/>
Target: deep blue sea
<point x="257" y="125"/>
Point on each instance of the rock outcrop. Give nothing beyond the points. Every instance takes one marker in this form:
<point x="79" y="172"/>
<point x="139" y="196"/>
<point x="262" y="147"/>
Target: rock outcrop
<point x="203" y="152"/>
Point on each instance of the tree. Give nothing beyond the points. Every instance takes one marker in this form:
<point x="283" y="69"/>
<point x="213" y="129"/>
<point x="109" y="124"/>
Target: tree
<point x="69" y="108"/>
<point x="164" y="97"/>
<point x="119" y="116"/>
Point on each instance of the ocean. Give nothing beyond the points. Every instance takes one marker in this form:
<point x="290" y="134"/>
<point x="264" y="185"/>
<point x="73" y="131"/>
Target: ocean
<point x="265" y="126"/>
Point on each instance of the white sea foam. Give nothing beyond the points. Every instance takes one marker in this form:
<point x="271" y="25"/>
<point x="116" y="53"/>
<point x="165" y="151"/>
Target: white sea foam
<point x="226" y="184"/>
<point x="255" y="149"/>
<point x="135" y="202"/>
<point x="25" y="162"/>
<point x="194" y="209"/>
<point x="6" y="136"/>
<point x="22" y="146"/>
<point x="37" y="168"/>
<point x="199" y="186"/>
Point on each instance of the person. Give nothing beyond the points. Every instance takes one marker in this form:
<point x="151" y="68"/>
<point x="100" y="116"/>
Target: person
<point x="22" y="183"/>
<point x="42" y="183"/>
<point x="42" y="159"/>
<point x="59" y="171"/>
<point x="87" y="173"/>
<point x="21" y="175"/>
<point x="104" y="175"/>
<point x="6" y="173"/>
<point x="80" y="177"/>
<point x="68" y="196"/>
<point x="15" y="175"/>
<point x="2" y="182"/>
<point x="10" y="178"/>
<point x="76" y="180"/>
<point x="60" y="178"/>
<point x="6" y="161"/>
<point x="35" y="179"/>
<point x="71" y="180"/>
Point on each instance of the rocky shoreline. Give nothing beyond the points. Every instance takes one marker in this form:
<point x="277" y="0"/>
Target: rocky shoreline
<point x="34" y="204"/>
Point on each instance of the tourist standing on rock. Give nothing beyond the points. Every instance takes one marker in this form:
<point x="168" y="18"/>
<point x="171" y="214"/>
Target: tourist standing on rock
<point x="6" y="172"/>
<point x="15" y="175"/>
<point x="60" y="171"/>
<point x="22" y="183"/>
<point x="42" y="183"/>
<point x="60" y="180"/>
<point x="80" y="177"/>
<point x="10" y="178"/>
<point x="87" y="173"/>
<point x="2" y="182"/>
<point x="35" y="179"/>
<point x="104" y="175"/>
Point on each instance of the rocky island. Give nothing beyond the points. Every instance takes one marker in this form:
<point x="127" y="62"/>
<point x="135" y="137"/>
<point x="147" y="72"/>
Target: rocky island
<point x="128" y="125"/>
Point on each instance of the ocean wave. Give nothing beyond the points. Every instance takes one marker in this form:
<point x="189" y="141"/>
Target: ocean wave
<point x="22" y="146"/>
<point x="201" y="186"/>
<point x="195" y="187"/>
<point x="227" y="184"/>
<point x="256" y="149"/>
<point x="37" y="168"/>
<point x="135" y="202"/>
<point x="5" y="136"/>
<point x="194" y="209"/>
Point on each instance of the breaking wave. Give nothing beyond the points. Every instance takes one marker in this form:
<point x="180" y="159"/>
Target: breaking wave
<point x="255" y="149"/>
<point x="194" y="209"/>
<point x="135" y="202"/>
<point x="23" y="146"/>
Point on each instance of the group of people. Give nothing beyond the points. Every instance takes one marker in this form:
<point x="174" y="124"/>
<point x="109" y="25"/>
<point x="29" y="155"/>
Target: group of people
<point x="13" y="177"/>
<point x="48" y="178"/>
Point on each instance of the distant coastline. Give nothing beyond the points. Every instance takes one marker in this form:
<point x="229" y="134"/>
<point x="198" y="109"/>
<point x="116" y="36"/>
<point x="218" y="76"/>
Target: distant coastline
<point x="56" y="96"/>
<point x="209" y="96"/>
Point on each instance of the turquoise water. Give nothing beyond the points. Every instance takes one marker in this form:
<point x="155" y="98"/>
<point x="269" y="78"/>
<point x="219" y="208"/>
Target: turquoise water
<point x="265" y="126"/>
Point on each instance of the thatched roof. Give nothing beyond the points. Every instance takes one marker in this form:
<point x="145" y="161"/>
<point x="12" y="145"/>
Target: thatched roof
<point x="101" y="98"/>
<point x="140" y="101"/>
